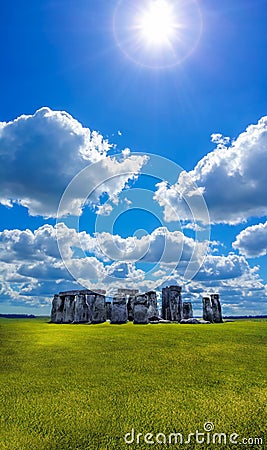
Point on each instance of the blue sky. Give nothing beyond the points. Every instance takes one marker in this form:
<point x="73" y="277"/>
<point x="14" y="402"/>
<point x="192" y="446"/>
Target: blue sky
<point x="64" y="56"/>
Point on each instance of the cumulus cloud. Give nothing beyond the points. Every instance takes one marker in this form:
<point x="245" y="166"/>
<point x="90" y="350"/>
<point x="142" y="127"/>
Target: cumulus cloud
<point x="182" y="201"/>
<point x="42" y="243"/>
<point x="104" y="210"/>
<point x="161" y="245"/>
<point x="32" y="269"/>
<point x="232" y="179"/>
<point x="41" y="153"/>
<point x="240" y="286"/>
<point x="220" y="267"/>
<point x="19" y="245"/>
<point x="219" y="139"/>
<point x="33" y="266"/>
<point x="252" y="241"/>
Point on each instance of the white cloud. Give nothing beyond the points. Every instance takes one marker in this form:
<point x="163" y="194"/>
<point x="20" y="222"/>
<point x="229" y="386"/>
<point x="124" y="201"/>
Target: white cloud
<point x="32" y="269"/>
<point x="125" y="271"/>
<point x="192" y="226"/>
<point x="232" y="180"/>
<point x="104" y="210"/>
<point x="161" y="245"/>
<point x="219" y="267"/>
<point x="252" y="241"/>
<point x="32" y="265"/>
<point x="219" y="139"/>
<point x="41" y="153"/>
<point x="182" y="201"/>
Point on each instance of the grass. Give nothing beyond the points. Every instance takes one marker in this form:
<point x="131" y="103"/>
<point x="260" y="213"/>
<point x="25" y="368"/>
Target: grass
<point x="86" y="386"/>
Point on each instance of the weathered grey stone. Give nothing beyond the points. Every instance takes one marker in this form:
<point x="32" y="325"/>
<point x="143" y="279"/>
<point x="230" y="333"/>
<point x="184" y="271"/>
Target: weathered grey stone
<point x="129" y="294"/>
<point x="216" y="308"/>
<point x="81" y="309"/>
<point x="57" y="309"/>
<point x="90" y="298"/>
<point x="130" y="307"/>
<point x="187" y="310"/>
<point x="108" y="309"/>
<point x="212" y="311"/>
<point x="190" y="321"/>
<point x="119" y="310"/>
<point x="207" y="309"/>
<point x="141" y="309"/>
<point x="152" y="312"/>
<point x="83" y="291"/>
<point x="98" y="309"/>
<point x="68" y="311"/>
<point x="54" y="308"/>
<point x="87" y="305"/>
<point x="172" y="307"/>
<point x="166" y="313"/>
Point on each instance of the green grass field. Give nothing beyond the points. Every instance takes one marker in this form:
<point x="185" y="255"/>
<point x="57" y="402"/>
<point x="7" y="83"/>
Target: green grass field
<point x="86" y="386"/>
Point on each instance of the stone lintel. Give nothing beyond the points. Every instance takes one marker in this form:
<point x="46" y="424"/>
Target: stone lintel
<point x="84" y="292"/>
<point x="174" y="287"/>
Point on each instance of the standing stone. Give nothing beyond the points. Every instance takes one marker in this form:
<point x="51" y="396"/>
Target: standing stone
<point x="98" y="309"/>
<point x="90" y="302"/>
<point x="176" y="305"/>
<point x="119" y="312"/>
<point x="207" y="309"/>
<point x="129" y="294"/>
<point x="57" y="309"/>
<point x="152" y="313"/>
<point x="108" y="310"/>
<point x="187" y="310"/>
<point x="165" y="307"/>
<point x="172" y="307"/>
<point x="141" y="309"/>
<point x="68" y="311"/>
<point x="216" y="308"/>
<point x="130" y="307"/>
<point x="81" y="309"/>
<point x="54" y="309"/>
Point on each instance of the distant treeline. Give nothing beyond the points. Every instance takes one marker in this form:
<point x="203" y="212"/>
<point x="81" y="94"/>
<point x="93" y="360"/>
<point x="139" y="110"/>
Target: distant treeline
<point x="18" y="316"/>
<point x="245" y="317"/>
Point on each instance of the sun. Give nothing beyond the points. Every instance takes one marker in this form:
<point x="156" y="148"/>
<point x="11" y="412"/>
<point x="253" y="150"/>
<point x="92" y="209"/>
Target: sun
<point x="156" y="24"/>
<point x="157" y="33"/>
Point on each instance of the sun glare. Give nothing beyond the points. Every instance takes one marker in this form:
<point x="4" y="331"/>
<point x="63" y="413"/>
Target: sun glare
<point x="157" y="33"/>
<point x="156" y="23"/>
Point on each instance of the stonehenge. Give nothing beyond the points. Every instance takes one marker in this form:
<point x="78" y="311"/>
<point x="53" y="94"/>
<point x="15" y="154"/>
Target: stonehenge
<point x="108" y="310"/>
<point x="207" y="309"/>
<point x="212" y="311"/>
<point x="187" y="311"/>
<point x="81" y="311"/>
<point x="87" y="306"/>
<point x="97" y="308"/>
<point x="141" y="309"/>
<point x="79" y="306"/>
<point x="119" y="312"/>
<point x="172" y="306"/>
<point x="152" y="312"/>
<point x="57" y="309"/>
